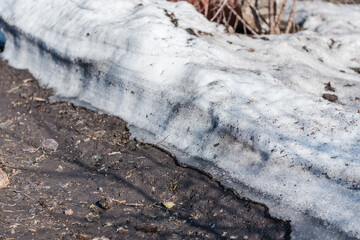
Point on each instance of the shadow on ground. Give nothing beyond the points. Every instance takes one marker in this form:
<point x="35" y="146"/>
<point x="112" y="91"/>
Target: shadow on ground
<point x="100" y="183"/>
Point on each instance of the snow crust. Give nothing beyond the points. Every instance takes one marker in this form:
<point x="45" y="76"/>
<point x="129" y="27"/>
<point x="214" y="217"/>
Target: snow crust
<point x="248" y="110"/>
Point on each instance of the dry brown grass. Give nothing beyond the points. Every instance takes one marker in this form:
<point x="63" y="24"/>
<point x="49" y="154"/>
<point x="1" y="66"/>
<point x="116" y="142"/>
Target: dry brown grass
<point x="245" y="17"/>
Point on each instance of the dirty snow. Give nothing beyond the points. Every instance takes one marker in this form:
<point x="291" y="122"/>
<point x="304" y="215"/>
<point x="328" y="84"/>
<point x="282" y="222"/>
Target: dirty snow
<point x="248" y="110"/>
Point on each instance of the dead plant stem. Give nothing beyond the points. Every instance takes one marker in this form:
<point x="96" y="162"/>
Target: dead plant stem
<point x="291" y="18"/>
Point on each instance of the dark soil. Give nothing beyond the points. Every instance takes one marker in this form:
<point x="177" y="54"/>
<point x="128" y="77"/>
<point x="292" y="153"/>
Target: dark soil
<point x="100" y="184"/>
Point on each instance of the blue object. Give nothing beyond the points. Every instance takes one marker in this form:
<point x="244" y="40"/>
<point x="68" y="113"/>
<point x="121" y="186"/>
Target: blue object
<point x="2" y="38"/>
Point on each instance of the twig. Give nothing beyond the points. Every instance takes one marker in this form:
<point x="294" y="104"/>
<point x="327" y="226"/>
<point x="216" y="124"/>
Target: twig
<point x="237" y="21"/>
<point x="17" y="87"/>
<point x="197" y="5"/>
<point x="229" y="18"/>
<point x="279" y="17"/>
<point x="118" y="201"/>
<point x="223" y="18"/>
<point x="7" y="205"/>
<point x="219" y="10"/>
<point x="38" y="99"/>
<point x="241" y="20"/>
<point x="206" y="8"/>
<point x="134" y="204"/>
<point x="291" y="18"/>
<point x="126" y="204"/>
<point x="114" y="153"/>
<point x="14" y="89"/>
<point x="27" y="80"/>
<point x="271" y="16"/>
<point x="161" y="141"/>
<point x="257" y="12"/>
<point x="26" y="195"/>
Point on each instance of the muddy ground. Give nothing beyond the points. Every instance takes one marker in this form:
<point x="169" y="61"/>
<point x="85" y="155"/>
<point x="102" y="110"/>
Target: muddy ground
<point x="100" y="184"/>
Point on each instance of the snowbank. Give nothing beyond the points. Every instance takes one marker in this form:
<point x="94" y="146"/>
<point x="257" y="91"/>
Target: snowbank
<point x="250" y="111"/>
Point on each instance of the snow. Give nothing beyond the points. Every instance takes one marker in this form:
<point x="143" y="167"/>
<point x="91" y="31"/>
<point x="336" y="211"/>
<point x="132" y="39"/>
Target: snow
<point x="248" y="110"/>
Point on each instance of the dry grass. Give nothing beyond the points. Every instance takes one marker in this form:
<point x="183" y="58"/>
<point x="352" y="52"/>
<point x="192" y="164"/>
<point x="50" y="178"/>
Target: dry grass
<point x="246" y="17"/>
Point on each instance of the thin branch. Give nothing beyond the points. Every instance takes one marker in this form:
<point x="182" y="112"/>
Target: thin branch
<point x="197" y="5"/>
<point x="257" y="12"/>
<point x="219" y="10"/>
<point x="161" y="141"/>
<point x="229" y="18"/>
<point x="271" y="16"/>
<point x="241" y="20"/>
<point x="223" y="18"/>
<point x="237" y="21"/>
<point x="27" y="195"/>
<point x="206" y="8"/>
<point x="291" y="18"/>
<point x="279" y="17"/>
<point x="236" y="24"/>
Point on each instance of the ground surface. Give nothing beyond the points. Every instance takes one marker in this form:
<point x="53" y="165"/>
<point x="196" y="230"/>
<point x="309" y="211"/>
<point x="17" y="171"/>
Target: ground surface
<point x="99" y="183"/>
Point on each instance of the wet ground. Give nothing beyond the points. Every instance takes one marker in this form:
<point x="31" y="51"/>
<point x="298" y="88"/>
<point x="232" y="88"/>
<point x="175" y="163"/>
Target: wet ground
<point x="99" y="184"/>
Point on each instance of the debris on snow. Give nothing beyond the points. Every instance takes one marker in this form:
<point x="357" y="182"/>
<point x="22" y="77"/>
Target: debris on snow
<point x="330" y="97"/>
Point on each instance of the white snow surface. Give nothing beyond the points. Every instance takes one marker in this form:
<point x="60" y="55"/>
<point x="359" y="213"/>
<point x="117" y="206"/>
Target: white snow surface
<point x="248" y="110"/>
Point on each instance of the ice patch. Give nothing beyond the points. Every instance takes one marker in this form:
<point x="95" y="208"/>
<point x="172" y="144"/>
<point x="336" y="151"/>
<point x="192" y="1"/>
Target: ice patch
<point x="250" y="111"/>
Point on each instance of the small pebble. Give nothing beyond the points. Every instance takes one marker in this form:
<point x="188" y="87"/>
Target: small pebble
<point x="50" y="144"/>
<point x="4" y="180"/>
<point x="60" y="169"/>
<point x="68" y="212"/>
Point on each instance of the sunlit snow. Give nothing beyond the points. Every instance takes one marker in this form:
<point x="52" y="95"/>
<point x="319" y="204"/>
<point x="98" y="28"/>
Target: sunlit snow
<point x="247" y="109"/>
